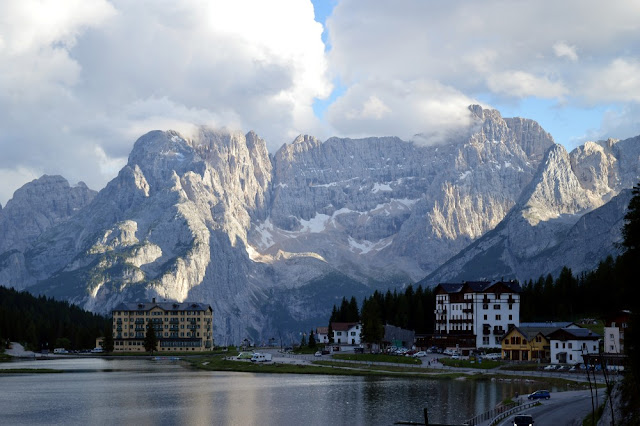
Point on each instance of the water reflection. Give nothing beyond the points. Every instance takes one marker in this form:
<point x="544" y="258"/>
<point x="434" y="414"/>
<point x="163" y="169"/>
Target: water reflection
<point x="98" y="391"/>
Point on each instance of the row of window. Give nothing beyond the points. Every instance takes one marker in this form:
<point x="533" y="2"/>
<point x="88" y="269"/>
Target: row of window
<point x="146" y="313"/>
<point x="339" y="333"/>
<point x="166" y="334"/>
<point x="569" y="345"/>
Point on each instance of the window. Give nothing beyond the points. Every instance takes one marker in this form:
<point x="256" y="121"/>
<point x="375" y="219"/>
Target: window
<point x="510" y="306"/>
<point x="485" y="317"/>
<point x="510" y="317"/>
<point x="498" y="317"/>
<point x="485" y="306"/>
<point x="556" y="345"/>
<point x="485" y="340"/>
<point x="353" y="333"/>
<point x="570" y="345"/>
<point x="496" y="307"/>
<point x="497" y="340"/>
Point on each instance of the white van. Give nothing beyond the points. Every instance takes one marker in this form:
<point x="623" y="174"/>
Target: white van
<point x="258" y="357"/>
<point x="60" y="351"/>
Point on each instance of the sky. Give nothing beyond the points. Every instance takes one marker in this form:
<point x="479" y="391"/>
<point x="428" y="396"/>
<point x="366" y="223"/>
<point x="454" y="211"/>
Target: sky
<point x="81" y="80"/>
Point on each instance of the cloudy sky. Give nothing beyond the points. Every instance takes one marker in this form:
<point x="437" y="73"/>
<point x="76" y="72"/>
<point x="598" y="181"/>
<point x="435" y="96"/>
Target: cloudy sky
<point x="81" y="80"/>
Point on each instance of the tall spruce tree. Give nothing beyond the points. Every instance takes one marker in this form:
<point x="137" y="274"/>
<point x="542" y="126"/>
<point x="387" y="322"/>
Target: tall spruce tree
<point x="150" y="339"/>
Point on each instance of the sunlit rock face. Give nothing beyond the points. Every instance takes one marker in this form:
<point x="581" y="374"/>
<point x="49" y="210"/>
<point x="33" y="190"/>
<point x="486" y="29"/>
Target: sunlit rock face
<point x="273" y="241"/>
<point x="571" y="214"/>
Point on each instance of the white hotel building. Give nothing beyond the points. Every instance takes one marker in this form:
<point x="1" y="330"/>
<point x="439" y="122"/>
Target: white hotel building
<point x="475" y="314"/>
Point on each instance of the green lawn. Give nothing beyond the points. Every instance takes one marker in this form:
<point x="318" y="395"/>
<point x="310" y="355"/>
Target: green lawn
<point x="465" y="363"/>
<point x="392" y="359"/>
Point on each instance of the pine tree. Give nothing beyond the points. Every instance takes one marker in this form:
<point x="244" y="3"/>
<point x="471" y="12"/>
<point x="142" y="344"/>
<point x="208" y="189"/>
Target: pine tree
<point x="150" y="339"/>
<point x="108" y="339"/>
<point x="372" y="328"/>
<point x="312" y="340"/>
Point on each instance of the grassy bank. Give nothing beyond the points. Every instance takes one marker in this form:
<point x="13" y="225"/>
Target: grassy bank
<point x="392" y="359"/>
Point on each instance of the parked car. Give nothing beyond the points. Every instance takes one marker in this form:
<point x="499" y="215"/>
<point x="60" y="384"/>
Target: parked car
<point x="97" y="350"/>
<point x="550" y="367"/>
<point x="420" y="354"/>
<point x="318" y="353"/>
<point x="494" y="356"/>
<point x="455" y="356"/>
<point x="539" y="394"/>
<point x="523" y="420"/>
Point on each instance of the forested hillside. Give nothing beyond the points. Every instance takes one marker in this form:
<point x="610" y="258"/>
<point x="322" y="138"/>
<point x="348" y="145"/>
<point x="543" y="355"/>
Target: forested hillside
<point x="43" y="323"/>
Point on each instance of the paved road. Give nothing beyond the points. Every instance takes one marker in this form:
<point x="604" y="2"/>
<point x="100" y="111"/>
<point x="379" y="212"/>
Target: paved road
<point x="563" y="409"/>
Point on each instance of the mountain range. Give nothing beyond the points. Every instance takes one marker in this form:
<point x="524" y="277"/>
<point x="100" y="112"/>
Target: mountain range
<point x="272" y="241"/>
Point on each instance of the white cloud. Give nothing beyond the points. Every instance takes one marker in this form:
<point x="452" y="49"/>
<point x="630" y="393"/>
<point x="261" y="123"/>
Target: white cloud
<point x="618" y="81"/>
<point x="522" y="84"/>
<point x="82" y="80"/>
<point x="401" y="108"/>
<point x="506" y="51"/>
<point x="563" y="50"/>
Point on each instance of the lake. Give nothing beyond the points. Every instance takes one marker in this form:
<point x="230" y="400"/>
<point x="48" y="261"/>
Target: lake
<point x="147" y="392"/>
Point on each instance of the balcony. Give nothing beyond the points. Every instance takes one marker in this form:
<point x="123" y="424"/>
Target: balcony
<point x="140" y="321"/>
<point x="468" y="310"/>
<point x="498" y="331"/>
<point x="440" y="311"/>
<point x="486" y="331"/>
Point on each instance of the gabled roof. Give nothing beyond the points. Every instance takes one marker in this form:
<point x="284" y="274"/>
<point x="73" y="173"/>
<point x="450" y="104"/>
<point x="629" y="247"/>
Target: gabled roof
<point x="343" y="326"/>
<point x="545" y="328"/>
<point x="166" y="306"/>
<point x="527" y="333"/>
<point x="478" y="287"/>
<point x="573" y="334"/>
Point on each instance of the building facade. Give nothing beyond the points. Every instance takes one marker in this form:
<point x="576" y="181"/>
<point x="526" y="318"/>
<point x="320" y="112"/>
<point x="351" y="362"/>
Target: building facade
<point x="181" y="327"/>
<point x="521" y="344"/>
<point x="322" y="335"/>
<point x="475" y="314"/>
<point x="347" y="333"/>
<point x="568" y="345"/>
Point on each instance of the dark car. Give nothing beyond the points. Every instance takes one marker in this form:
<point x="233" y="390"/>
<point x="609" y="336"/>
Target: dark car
<point x="523" y="420"/>
<point x="540" y="394"/>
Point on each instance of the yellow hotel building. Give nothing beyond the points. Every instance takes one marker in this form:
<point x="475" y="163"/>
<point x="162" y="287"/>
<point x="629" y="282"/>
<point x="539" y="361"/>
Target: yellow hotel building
<point x="180" y="327"/>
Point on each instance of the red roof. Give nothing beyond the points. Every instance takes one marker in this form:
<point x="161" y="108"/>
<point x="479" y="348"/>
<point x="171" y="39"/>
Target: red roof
<point x="342" y="326"/>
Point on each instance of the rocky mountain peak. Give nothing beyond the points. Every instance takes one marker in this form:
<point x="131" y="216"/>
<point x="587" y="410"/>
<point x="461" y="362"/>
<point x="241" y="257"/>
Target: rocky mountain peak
<point x="555" y="190"/>
<point x="37" y="206"/>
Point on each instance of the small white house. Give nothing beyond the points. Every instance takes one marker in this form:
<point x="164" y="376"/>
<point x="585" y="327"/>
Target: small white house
<point x="322" y="335"/>
<point x="347" y="333"/>
<point x="569" y="344"/>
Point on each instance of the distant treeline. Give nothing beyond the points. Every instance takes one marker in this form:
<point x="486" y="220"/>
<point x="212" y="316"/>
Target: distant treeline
<point x="41" y="323"/>
<point x="596" y="294"/>
<point x="411" y="309"/>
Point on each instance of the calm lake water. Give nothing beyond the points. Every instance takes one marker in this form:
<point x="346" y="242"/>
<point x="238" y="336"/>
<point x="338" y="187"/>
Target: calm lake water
<point x="147" y="392"/>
